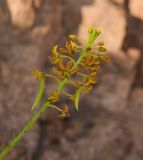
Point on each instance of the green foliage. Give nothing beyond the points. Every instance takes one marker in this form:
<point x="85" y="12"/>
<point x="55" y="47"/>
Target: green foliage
<point x="76" y="99"/>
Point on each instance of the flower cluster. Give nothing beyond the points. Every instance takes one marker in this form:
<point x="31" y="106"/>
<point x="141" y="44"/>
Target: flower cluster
<point x="65" y="70"/>
<point x="75" y="60"/>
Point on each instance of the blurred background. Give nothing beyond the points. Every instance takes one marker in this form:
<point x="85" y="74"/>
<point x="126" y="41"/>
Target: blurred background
<point x="109" y="123"/>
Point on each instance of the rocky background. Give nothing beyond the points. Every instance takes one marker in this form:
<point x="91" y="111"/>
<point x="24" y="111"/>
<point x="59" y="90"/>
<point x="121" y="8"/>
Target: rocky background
<point x="109" y="124"/>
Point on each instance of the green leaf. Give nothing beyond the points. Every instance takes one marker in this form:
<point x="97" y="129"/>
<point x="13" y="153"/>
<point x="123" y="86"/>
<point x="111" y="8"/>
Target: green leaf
<point x="76" y="100"/>
<point x="40" y="93"/>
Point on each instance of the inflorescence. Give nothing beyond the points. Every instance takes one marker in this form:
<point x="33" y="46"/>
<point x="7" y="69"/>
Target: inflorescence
<point x="73" y="60"/>
<point x="74" y="64"/>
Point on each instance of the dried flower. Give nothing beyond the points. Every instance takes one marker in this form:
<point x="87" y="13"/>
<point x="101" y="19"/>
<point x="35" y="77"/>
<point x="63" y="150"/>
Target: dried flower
<point x="39" y="75"/>
<point x="71" y="48"/>
<point x="54" y="97"/>
<point x="55" y="58"/>
<point x="90" y="80"/>
<point x="65" y="112"/>
<point x="65" y="70"/>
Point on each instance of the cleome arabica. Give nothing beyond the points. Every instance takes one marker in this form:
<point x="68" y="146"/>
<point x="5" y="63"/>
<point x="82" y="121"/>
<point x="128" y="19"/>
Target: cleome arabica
<point x="74" y="64"/>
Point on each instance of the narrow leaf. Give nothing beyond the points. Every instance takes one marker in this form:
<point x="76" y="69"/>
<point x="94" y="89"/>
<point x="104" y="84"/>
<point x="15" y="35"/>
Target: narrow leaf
<point x="40" y="93"/>
<point x="77" y="98"/>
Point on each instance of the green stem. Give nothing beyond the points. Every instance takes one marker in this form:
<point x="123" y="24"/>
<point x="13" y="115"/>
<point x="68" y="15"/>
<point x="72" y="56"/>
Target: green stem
<point x="27" y="127"/>
<point x="53" y="77"/>
<point x="68" y="58"/>
<point x="67" y="94"/>
<point x="61" y="84"/>
<point x="81" y="74"/>
<point x="55" y="107"/>
<point x="83" y="52"/>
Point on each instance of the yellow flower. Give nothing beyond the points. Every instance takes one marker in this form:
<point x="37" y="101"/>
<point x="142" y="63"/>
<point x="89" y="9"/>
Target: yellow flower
<point x="86" y="89"/>
<point x="70" y="48"/>
<point x="54" y="97"/>
<point x="64" y="51"/>
<point x="58" y="72"/>
<point x="90" y="80"/>
<point x="55" y="50"/>
<point x="86" y="85"/>
<point x="55" y="58"/>
<point x="65" y="70"/>
<point x="90" y="63"/>
<point x="39" y="75"/>
<point x="88" y="60"/>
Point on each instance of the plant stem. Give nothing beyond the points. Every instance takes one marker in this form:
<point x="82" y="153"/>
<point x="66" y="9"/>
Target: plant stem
<point x="83" y="52"/>
<point x="65" y="93"/>
<point x="27" y="127"/>
<point x="63" y="56"/>
<point x="53" y="77"/>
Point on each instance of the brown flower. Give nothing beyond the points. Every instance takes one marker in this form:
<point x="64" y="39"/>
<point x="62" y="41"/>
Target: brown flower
<point x="64" y="112"/>
<point x="65" y="70"/>
<point x="39" y="75"/>
<point x="90" y="80"/>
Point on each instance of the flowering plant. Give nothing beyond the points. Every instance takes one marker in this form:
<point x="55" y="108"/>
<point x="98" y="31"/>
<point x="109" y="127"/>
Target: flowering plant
<point x="74" y="64"/>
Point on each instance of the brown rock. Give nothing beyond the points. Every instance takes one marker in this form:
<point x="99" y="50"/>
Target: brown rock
<point x="21" y="12"/>
<point x="135" y="120"/>
<point x="136" y="8"/>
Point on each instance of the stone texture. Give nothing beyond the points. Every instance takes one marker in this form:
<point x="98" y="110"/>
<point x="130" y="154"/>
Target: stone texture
<point x="136" y="8"/>
<point x="135" y="118"/>
<point x="22" y="13"/>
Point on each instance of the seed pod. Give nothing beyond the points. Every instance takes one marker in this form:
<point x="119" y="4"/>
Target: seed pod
<point x="72" y="36"/>
<point x="101" y="43"/>
<point x="102" y="49"/>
